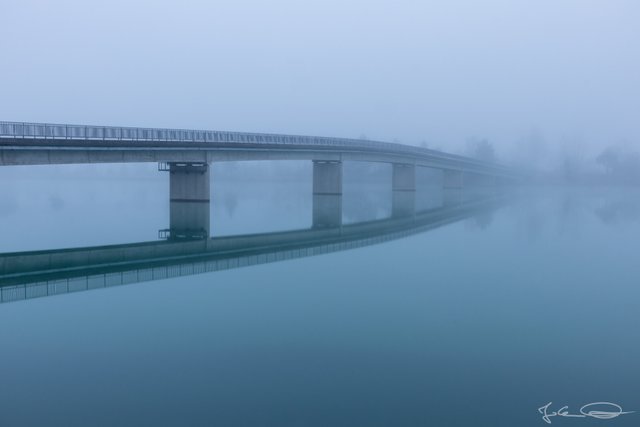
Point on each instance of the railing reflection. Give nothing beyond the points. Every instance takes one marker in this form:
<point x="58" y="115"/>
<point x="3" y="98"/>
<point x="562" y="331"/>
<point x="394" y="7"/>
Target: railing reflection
<point x="29" y="275"/>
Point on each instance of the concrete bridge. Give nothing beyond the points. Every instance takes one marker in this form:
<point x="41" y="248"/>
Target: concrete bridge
<point x="187" y="154"/>
<point x="25" y="275"/>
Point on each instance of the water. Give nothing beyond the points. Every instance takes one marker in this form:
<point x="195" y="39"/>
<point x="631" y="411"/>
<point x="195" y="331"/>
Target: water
<point x="478" y="322"/>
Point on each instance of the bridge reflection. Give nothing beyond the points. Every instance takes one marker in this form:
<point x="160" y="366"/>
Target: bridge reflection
<point x="26" y="275"/>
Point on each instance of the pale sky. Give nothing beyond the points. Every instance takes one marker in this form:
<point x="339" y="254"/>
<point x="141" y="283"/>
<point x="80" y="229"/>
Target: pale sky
<point x="440" y="71"/>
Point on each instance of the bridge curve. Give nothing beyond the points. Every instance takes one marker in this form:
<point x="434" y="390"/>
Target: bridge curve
<point x="39" y="143"/>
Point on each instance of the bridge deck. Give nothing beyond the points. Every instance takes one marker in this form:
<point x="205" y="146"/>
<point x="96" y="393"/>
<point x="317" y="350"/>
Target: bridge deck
<point x="37" y="143"/>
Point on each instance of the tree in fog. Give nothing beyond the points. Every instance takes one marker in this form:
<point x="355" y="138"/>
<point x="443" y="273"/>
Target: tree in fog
<point x="481" y="149"/>
<point x="620" y="164"/>
<point x="608" y="159"/>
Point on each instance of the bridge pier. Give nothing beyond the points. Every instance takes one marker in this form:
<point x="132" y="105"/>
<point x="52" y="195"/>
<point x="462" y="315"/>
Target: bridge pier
<point x="327" y="194"/>
<point x="189" y="184"/>
<point x="452" y="178"/>
<point x="403" y="186"/>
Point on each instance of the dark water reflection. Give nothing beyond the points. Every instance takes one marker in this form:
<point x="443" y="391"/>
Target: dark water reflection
<point x="478" y="322"/>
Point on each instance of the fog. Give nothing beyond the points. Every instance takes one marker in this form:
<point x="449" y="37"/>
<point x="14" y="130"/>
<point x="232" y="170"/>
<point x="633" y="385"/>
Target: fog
<point x="540" y="80"/>
<point x="283" y="293"/>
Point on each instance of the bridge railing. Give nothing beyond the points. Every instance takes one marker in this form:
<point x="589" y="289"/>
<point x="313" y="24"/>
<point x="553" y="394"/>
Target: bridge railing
<point x="57" y="132"/>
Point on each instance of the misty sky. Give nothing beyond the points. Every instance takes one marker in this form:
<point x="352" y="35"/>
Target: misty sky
<point x="438" y="71"/>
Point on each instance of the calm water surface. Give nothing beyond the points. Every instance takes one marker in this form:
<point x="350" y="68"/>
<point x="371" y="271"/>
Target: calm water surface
<point x="476" y="323"/>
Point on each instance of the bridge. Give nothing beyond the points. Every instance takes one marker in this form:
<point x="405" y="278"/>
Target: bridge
<point x="187" y="155"/>
<point x="26" y="275"/>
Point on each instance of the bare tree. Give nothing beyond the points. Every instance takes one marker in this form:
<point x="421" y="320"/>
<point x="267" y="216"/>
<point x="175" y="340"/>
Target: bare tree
<point x="481" y="149"/>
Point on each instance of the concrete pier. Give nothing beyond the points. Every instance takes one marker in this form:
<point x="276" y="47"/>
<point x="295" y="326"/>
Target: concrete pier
<point x="189" y="182"/>
<point x="189" y="220"/>
<point x="452" y="178"/>
<point x="327" y="194"/>
<point x="189" y="213"/>
<point x="403" y="187"/>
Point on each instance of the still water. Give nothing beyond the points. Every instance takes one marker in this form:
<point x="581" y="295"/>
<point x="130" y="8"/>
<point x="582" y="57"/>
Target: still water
<point x="476" y="322"/>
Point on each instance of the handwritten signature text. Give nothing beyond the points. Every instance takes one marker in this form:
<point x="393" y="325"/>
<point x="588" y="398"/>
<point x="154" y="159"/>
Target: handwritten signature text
<point x="600" y="410"/>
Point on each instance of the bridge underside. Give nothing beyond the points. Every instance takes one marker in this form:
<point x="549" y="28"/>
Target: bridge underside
<point x="20" y="155"/>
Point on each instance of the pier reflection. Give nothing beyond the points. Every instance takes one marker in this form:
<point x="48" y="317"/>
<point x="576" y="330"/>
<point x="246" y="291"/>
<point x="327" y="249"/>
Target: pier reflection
<point x="188" y="249"/>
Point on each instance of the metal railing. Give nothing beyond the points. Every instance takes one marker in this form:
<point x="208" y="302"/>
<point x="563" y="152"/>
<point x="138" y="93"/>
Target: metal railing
<point x="59" y="132"/>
